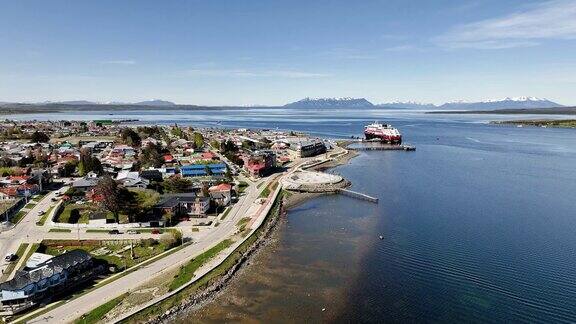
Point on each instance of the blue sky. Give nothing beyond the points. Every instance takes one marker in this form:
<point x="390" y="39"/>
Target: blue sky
<point x="273" y="52"/>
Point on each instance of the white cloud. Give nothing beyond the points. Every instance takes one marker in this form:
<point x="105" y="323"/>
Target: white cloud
<point x="400" y="48"/>
<point x="254" y="73"/>
<point x="120" y="62"/>
<point x="549" y="20"/>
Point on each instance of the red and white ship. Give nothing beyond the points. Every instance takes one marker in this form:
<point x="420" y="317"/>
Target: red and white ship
<point x="386" y="133"/>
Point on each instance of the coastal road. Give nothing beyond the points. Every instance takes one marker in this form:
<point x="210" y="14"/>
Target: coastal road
<point x="73" y="309"/>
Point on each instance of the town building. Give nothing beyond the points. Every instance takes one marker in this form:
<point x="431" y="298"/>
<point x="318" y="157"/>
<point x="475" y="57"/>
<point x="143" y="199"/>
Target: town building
<point x="202" y="170"/>
<point x="310" y="148"/>
<point x="260" y="163"/>
<point x="50" y="278"/>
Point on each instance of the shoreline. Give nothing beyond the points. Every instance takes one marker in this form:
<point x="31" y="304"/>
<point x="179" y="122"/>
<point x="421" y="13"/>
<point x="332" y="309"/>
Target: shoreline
<point x="552" y="123"/>
<point x="269" y="236"/>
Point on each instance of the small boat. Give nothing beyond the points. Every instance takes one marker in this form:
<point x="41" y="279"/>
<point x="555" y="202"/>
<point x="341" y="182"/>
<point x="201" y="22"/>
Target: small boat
<point x="381" y="237"/>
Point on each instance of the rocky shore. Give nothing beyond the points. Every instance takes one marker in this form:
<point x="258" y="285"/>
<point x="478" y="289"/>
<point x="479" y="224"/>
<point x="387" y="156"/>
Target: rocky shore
<point x="207" y="294"/>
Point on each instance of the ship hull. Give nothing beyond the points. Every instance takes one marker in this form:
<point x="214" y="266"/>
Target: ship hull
<point x="384" y="138"/>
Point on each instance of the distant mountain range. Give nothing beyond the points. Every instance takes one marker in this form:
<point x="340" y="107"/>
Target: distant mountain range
<point x="155" y="103"/>
<point x="506" y="103"/>
<point x="331" y="103"/>
<point x="311" y="103"/>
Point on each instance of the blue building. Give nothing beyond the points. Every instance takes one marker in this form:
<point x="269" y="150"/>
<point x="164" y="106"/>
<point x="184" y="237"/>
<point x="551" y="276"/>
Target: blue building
<point x="201" y="170"/>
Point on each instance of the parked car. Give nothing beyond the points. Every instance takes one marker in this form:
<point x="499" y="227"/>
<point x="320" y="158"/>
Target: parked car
<point x="114" y="231"/>
<point x="155" y="231"/>
<point x="133" y="232"/>
<point x="10" y="257"/>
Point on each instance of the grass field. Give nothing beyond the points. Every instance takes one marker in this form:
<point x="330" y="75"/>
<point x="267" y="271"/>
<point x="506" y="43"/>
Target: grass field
<point x="18" y="217"/>
<point x="45" y="216"/>
<point x="187" y="272"/>
<point x="269" y="189"/>
<point x="66" y="214"/>
<point x="99" y="312"/>
<point x="119" y="255"/>
<point x="60" y="230"/>
<point x="33" y="248"/>
<point x="226" y="212"/>
<point x="242" y="185"/>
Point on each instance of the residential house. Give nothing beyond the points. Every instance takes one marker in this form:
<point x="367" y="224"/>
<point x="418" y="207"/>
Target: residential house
<point x="221" y="194"/>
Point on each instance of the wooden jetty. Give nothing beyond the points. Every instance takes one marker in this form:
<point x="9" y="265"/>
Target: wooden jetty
<point x="357" y="195"/>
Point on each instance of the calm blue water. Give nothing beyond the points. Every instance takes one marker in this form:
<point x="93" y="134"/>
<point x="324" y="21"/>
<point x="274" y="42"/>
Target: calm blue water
<point x="478" y="225"/>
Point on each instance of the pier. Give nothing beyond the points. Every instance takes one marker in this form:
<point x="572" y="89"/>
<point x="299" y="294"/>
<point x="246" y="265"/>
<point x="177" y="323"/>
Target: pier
<point x="384" y="147"/>
<point x="357" y="195"/>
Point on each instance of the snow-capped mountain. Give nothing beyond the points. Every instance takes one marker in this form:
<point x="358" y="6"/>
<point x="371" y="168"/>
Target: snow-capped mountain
<point x="407" y="105"/>
<point x="506" y="103"/>
<point x="331" y="103"/>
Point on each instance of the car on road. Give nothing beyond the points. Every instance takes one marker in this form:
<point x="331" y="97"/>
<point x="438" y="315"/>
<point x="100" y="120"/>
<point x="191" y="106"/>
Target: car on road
<point x="41" y="212"/>
<point x="114" y="232"/>
<point x="54" y="199"/>
<point x="155" y="231"/>
<point x="133" y="232"/>
<point x="10" y="257"/>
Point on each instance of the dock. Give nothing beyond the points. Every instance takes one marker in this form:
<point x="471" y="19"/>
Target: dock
<point x="358" y="195"/>
<point x="384" y="147"/>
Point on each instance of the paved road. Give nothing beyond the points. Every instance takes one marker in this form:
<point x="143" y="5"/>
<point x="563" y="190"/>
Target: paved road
<point x="75" y="308"/>
<point x="26" y="230"/>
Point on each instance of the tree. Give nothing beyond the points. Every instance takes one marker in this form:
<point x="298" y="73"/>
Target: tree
<point x="229" y="147"/>
<point x="177" y="184"/>
<point x="110" y="192"/>
<point x="215" y="144"/>
<point x="247" y="145"/>
<point x="151" y="156"/>
<point x="198" y="140"/>
<point x="88" y="163"/>
<point x="228" y="174"/>
<point x="130" y="137"/>
<point x="167" y="217"/>
<point x="39" y="137"/>
<point x="68" y="169"/>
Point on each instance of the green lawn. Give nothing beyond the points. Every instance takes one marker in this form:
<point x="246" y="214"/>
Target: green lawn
<point x="270" y="188"/>
<point x="60" y="230"/>
<point x="242" y="185"/>
<point x="142" y="251"/>
<point x="18" y="217"/>
<point x="65" y="214"/>
<point x="97" y="231"/>
<point x="33" y="248"/>
<point x="30" y="205"/>
<point x="45" y="216"/>
<point x="226" y="212"/>
<point x="98" y="313"/>
<point x="187" y="272"/>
